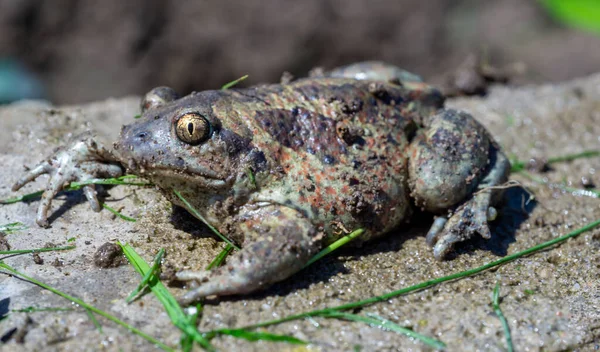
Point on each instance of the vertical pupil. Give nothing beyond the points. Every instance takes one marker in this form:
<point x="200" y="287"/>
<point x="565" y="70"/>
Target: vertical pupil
<point x="190" y="128"/>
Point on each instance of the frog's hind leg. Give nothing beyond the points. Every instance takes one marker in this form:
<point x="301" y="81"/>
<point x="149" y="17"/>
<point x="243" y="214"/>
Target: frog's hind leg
<point x="453" y="167"/>
<point x="285" y="241"/>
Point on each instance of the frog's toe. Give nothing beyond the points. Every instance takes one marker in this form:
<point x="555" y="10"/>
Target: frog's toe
<point x="205" y="289"/>
<point x="92" y="197"/>
<point x="436" y="230"/>
<point x="31" y="175"/>
<point x="94" y="169"/>
<point x="471" y="218"/>
<point x="200" y="283"/>
<point x="445" y="244"/>
<point x="191" y="297"/>
<point x="54" y="186"/>
<point x="190" y="275"/>
<point x="228" y="280"/>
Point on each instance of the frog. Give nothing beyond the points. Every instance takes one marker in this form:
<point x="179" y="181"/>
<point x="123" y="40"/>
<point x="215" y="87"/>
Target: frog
<point x="283" y="170"/>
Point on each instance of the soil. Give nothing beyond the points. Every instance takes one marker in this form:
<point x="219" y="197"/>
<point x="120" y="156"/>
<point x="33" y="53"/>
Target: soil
<point x="549" y="298"/>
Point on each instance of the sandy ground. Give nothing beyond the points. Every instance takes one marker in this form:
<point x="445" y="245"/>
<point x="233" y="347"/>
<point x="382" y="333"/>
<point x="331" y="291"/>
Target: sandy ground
<point x="551" y="299"/>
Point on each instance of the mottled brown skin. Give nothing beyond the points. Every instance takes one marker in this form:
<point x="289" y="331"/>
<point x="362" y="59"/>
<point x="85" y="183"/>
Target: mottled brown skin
<point x="285" y="169"/>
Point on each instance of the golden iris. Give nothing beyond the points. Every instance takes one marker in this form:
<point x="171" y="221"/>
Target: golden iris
<point x="192" y="128"/>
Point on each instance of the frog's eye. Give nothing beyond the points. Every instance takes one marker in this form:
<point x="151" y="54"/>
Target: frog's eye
<point x="192" y="128"/>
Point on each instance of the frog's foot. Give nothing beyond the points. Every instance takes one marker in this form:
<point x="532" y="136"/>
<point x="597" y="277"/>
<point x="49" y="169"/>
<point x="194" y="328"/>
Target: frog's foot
<point x="472" y="216"/>
<point x="286" y="242"/>
<point x="264" y="262"/>
<point x="469" y="219"/>
<point x="455" y="165"/>
<point x="83" y="160"/>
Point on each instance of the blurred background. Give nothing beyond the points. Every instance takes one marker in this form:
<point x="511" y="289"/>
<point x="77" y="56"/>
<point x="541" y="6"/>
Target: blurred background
<point x="72" y="51"/>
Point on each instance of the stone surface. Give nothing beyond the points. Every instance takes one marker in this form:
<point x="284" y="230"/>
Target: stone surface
<point x="551" y="299"/>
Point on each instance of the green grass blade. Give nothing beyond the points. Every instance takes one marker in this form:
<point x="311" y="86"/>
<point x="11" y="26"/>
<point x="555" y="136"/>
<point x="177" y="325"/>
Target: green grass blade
<point x="179" y="318"/>
<point x="571" y="157"/>
<point x="386" y="324"/>
<point x="516" y="165"/>
<point x="251" y="177"/>
<point x="195" y="212"/>
<point x="259" y="336"/>
<point x="233" y="83"/>
<point x="584" y="14"/>
<point x="173" y="309"/>
<point x="335" y="245"/>
<point x="12" y="227"/>
<point x="126" y="177"/>
<point x="220" y="257"/>
<point x="154" y="271"/>
<point x="117" y="213"/>
<point x="23" y="198"/>
<point x="32" y="309"/>
<point x="86" y="306"/>
<point x="498" y="311"/>
<point x="37" y="250"/>
<point x="94" y="321"/>
<point x="429" y="283"/>
<point x="519" y="165"/>
<point x="74" y="186"/>
<point x="107" y="181"/>
<point x="187" y="342"/>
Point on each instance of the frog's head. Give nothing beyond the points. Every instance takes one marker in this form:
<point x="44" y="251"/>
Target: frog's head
<point x="180" y="144"/>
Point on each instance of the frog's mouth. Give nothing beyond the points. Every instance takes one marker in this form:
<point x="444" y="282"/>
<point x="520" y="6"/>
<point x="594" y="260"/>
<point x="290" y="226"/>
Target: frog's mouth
<point x="166" y="174"/>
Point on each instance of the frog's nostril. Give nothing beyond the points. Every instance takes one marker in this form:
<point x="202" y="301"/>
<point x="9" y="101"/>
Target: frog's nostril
<point x="142" y="136"/>
<point x="179" y="162"/>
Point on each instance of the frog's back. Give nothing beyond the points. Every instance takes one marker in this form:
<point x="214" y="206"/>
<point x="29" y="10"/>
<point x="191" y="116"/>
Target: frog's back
<point x="339" y="146"/>
<point x="336" y="119"/>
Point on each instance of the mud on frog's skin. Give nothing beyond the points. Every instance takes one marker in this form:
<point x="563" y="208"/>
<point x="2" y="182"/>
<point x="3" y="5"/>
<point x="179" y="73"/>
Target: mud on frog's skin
<point x="283" y="169"/>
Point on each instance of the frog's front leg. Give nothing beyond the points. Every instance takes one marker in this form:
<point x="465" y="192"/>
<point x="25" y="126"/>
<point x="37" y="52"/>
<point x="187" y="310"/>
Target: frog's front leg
<point x="83" y="159"/>
<point x="454" y="163"/>
<point x="279" y="241"/>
